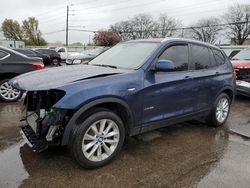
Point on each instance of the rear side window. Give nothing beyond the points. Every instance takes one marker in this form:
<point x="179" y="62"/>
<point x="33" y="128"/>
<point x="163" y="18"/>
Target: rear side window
<point x="178" y="54"/>
<point x="26" y="52"/>
<point x="2" y="54"/>
<point x="219" y="57"/>
<point x="200" y="57"/>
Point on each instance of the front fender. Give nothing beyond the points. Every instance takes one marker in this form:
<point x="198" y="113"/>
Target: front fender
<point x="72" y="123"/>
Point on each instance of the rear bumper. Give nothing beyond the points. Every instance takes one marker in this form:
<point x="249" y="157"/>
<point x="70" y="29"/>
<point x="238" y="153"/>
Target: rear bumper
<point x="34" y="142"/>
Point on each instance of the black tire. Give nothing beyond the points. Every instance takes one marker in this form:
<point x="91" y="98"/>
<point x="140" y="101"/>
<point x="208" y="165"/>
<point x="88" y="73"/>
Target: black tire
<point x="75" y="143"/>
<point x="211" y="119"/>
<point x="2" y="98"/>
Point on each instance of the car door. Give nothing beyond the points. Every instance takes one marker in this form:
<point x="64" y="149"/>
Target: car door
<point x="170" y="94"/>
<point x="205" y="74"/>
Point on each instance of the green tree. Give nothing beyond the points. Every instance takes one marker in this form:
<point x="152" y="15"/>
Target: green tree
<point x="12" y="29"/>
<point x="33" y="36"/>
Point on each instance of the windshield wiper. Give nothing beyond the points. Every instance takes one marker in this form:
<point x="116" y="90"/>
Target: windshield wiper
<point x="103" y="65"/>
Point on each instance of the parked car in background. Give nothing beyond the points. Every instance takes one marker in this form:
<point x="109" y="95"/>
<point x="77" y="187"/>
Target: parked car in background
<point x="65" y="53"/>
<point x="55" y="57"/>
<point x="33" y="53"/>
<point x="232" y="50"/>
<point x="134" y="87"/>
<point x="85" y="56"/>
<point x="12" y="64"/>
<point x="241" y="64"/>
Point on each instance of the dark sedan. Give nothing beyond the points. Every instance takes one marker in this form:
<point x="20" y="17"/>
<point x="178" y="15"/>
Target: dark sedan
<point x="12" y="64"/>
<point x="55" y="57"/>
<point x="33" y="53"/>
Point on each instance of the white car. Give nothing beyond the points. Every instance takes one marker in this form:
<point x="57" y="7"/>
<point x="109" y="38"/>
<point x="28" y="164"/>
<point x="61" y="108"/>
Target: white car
<point x="84" y="56"/>
<point x="65" y="53"/>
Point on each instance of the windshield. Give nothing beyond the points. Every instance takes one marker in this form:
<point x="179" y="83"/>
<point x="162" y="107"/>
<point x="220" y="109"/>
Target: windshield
<point x="125" y="55"/>
<point x="242" y="55"/>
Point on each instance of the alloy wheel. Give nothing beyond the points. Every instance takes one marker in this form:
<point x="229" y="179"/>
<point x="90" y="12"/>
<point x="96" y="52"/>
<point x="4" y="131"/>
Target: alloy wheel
<point x="8" y="93"/>
<point x="222" y="109"/>
<point x="100" y="140"/>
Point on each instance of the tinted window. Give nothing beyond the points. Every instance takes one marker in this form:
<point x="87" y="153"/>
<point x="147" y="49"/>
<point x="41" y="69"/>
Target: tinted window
<point x="44" y="51"/>
<point x="26" y="52"/>
<point x="2" y="54"/>
<point x="219" y="57"/>
<point x="178" y="54"/>
<point x="200" y="57"/>
<point x="212" y="58"/>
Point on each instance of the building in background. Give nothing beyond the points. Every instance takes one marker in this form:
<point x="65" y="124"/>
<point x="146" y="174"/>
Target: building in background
<point x="12" y="43"/>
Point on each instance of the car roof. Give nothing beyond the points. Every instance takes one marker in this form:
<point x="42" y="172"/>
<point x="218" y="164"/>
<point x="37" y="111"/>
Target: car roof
<point x="172" y="39"/>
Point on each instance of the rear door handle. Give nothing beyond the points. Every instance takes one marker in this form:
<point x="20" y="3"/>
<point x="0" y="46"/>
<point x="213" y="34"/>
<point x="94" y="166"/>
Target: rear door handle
<point x="217" y="72"/>
<point x="186" y="77"/>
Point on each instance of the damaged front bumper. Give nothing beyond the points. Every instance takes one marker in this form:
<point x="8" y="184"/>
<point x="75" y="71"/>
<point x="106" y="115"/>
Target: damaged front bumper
<point x="42" y="125"/>
<point x="34" y="142"/>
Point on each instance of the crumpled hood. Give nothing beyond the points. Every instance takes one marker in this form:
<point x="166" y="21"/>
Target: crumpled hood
<point x="241" y="63"/>
<point x="52" y="78"/>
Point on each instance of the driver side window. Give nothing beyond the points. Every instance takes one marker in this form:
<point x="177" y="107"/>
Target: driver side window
<point x="178" y="54"/>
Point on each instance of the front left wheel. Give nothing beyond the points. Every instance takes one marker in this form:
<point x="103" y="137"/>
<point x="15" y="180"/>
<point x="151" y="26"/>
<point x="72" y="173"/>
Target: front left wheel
<point x="98" y="139"/>
<point x="8" y="93"/>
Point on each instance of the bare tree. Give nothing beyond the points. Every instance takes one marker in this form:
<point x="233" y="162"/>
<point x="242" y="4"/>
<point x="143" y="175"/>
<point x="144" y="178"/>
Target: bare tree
<point x="143" y="25"/>
<point x="167" y="26"/>
<point x="206" y="30"/>
<point x="240" y="15"/>
<point x="123" y="29"/>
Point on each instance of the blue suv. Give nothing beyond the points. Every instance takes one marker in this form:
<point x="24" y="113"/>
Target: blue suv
<point x="134" y="87"/>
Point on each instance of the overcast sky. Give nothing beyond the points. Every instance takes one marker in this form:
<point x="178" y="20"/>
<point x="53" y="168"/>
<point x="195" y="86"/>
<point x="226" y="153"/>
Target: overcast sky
<point x="99" y="14"/>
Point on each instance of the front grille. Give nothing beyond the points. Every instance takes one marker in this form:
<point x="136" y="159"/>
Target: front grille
<point x="36" y="100"/>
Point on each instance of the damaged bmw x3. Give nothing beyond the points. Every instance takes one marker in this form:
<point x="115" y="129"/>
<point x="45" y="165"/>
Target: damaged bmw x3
<point x="134" y="87"/>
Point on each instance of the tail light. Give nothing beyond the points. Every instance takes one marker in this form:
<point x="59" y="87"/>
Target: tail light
<point x="38" y="65"/>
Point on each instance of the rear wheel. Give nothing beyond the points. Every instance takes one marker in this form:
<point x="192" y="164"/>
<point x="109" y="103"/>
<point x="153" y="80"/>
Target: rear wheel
<point x="220" y="111"/>
<point x="98" y="139"/>
<point x="56" y="62"/>
<point x="8" y="93"/>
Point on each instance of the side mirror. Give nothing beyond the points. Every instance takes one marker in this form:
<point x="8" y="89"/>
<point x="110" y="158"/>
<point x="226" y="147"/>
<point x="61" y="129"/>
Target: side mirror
<point x="164" y="65"/>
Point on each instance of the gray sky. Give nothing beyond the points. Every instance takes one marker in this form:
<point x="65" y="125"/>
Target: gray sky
<point x="99" y="14"/>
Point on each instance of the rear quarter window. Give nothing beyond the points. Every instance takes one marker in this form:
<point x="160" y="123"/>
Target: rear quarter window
<point x="219" y="57"/>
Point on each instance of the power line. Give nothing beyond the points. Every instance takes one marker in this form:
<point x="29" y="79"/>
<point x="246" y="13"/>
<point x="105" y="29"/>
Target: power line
<point x="52" y="32"/>
<point x="178" y="28"/>
<point x="145" y="4"/>
<point x="186" y="28"/>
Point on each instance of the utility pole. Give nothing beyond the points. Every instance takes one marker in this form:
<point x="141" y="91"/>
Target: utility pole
<point x="67" y="26"/>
